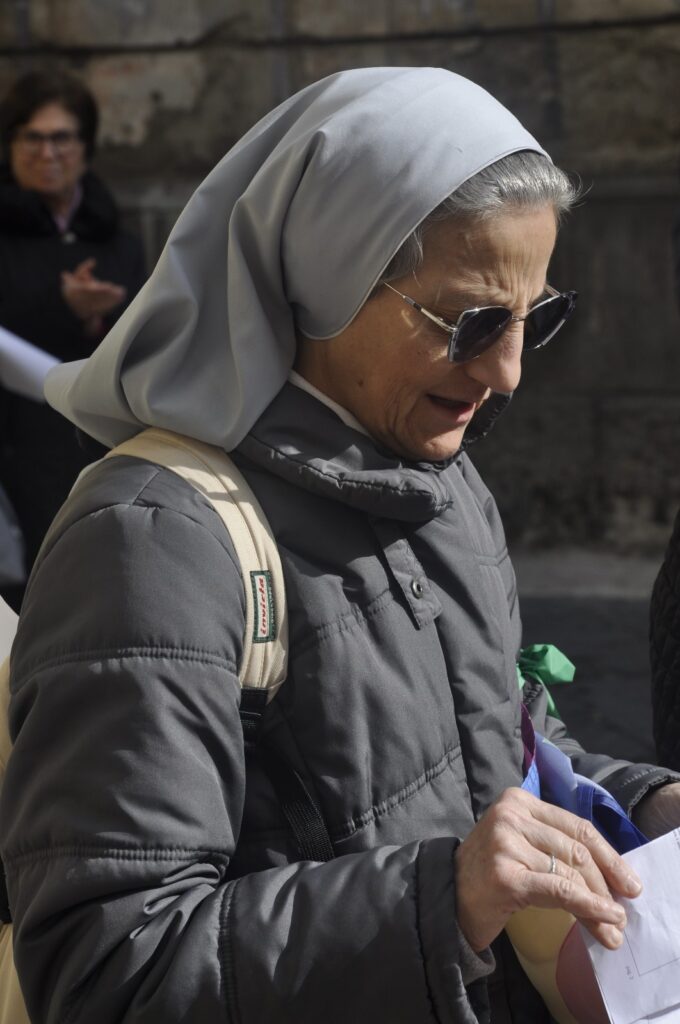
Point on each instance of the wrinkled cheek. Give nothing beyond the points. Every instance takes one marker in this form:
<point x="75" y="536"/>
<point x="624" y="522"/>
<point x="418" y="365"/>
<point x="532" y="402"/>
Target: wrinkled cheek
<point x="411" y="414"/>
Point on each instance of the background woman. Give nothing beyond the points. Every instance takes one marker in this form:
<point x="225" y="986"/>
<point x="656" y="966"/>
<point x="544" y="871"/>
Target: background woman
<point x="67" y="270"/>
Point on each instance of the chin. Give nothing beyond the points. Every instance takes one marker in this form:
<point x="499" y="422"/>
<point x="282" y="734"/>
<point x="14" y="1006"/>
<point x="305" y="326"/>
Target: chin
<point x="419" y="448"/>
<point x="438" y="450"/>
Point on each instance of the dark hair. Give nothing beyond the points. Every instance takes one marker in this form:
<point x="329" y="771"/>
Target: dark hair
<point x="38" y="88"/>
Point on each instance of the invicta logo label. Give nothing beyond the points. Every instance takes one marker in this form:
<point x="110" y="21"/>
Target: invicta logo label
<point x="264" y="625"/>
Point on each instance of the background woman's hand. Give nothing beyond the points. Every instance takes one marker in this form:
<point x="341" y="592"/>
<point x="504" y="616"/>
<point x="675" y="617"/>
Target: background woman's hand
<point x="87" y="296"/>
<point x="504" y="866"/>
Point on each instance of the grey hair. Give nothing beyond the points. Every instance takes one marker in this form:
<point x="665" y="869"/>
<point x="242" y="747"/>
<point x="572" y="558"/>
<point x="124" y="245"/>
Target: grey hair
<point x="524" y="179"/>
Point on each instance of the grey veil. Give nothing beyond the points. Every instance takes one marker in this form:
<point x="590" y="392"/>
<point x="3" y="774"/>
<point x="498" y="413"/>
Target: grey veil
<point x="293" y="226"/>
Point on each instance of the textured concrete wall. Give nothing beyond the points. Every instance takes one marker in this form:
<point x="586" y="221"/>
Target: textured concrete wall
<point x="588" y="449"/>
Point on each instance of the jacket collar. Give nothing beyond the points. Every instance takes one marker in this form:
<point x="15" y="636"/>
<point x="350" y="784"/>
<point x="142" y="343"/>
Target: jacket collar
<point x="301" y="440"/>
<point x="22" y="211"/>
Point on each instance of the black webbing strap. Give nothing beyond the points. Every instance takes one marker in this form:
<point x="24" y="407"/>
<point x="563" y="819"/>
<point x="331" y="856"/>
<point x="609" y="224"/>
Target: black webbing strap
<point x="251" y="709"/>
<point x="297" y="804"/>
<point x="298" y="808"/>
<point x="5" y="915"/>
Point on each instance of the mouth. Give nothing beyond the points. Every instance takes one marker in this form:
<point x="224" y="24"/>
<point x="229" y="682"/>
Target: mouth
<point x="456" y="412"/>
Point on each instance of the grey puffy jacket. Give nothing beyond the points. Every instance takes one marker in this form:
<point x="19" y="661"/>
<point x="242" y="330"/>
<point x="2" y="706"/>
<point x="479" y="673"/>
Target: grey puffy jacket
<point x="151" y="875"/>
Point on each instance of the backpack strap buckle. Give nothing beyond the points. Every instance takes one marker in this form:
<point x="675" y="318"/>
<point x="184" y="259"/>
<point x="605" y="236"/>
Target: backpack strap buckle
<point x="251" y="711"/>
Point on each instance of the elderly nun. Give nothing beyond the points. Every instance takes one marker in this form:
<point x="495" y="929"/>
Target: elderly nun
<point x="343" y="305"/>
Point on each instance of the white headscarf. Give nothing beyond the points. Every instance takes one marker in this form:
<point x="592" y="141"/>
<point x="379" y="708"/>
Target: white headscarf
<point x="293" y="226"/>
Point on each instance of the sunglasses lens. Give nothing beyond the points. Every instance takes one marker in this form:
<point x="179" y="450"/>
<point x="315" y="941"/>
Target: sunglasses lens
<point x="479" y="331"/>
<point x="546" y="319"/>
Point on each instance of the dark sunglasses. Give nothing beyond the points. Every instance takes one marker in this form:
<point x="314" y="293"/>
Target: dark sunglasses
<point x="477" y="329"/>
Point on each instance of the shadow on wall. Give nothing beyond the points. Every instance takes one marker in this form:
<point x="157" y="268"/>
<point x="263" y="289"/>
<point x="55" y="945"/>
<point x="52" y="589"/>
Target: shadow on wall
<point x="587" y="451"/>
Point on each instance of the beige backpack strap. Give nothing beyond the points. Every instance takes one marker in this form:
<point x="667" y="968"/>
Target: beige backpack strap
<point x="12" y="1008"/>
<point x="212" y="472"/>
<point x="265" y="648"/>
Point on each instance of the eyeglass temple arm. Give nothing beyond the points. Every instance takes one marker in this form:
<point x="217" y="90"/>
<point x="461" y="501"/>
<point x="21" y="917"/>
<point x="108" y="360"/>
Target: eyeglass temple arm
<point x="421" y="309"/>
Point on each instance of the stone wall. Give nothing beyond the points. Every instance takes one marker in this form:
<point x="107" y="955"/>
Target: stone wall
<point x="587" y="452"/>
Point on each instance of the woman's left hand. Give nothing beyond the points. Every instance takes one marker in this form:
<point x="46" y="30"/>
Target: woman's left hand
<point x="659" y="811"/>
<point x="87" y="295"/>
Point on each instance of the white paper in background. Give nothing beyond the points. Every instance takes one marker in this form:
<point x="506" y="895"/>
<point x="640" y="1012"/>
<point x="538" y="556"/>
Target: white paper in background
<point x="8" y="627"/>
<point x="23" y="367"/>
<point x="641" y="978"/>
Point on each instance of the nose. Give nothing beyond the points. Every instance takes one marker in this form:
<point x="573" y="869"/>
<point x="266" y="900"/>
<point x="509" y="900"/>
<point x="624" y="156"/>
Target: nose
<point x="500" y="367"/>
<point x="47" y="147"/>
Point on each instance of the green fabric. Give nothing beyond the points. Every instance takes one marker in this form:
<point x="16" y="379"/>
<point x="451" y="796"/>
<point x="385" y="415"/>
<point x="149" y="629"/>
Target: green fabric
<point x="547" y="664"/>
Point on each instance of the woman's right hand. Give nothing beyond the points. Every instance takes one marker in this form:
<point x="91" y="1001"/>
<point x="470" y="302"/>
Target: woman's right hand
<point x="504" y="866"/>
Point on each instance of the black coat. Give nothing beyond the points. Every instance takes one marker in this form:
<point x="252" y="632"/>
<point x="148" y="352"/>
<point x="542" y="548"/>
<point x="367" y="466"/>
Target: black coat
<point x="665" y="654"/>
<point x="39" y="453"/>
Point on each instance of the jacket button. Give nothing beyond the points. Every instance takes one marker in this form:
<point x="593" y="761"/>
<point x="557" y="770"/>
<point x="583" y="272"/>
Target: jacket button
<point x="417" y="588"/>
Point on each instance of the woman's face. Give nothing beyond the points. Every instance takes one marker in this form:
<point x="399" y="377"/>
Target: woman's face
<point x="390" y="367"/>
<point x="50" y="167"/>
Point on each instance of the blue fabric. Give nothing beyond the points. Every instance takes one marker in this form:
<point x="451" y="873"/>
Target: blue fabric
<point x="550" y="777"/>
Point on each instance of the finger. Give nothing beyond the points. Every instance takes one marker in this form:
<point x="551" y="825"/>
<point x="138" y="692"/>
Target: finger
<point x="85" y="266"/>
<point x="97" y="287"/>
<point x="614" y="869"/>
<point x="599" y="914"/>
<point x="110" y="288"/>
<point x="547" y="841"/>
<point x="112" y="298"/>
<point x="607" y="934"/>
<point x="604" y="931"/>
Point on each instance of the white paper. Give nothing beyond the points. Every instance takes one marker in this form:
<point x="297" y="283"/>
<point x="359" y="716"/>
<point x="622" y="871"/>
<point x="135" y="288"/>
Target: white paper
<point x="23" y="367"/>
<point x="8" y="627"/>
<point x="665" y="1017"/>
<point x="641" y="979"/>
